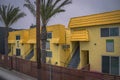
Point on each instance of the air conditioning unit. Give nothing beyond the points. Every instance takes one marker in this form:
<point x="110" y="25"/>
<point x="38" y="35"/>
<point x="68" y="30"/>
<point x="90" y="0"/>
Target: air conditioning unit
<point x="65" y="46"/>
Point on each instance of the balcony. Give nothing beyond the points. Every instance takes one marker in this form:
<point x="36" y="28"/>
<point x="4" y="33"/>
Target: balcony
<point x="81" y="35"/>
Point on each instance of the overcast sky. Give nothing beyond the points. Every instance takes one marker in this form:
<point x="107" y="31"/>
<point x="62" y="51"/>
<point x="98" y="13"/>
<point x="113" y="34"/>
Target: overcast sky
<point x="77" y="8"/>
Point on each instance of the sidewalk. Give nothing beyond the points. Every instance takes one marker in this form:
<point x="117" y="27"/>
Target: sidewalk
<point x="13" y="75"/>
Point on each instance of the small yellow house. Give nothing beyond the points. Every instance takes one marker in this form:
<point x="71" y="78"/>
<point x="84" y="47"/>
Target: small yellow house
<point x="17" y="42"/>
<point x="96" y="40"/>
<point x="23" y="44"/>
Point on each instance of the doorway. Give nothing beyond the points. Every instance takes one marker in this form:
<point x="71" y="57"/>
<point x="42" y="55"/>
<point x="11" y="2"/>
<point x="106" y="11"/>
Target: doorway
<point x="84" y="58"/>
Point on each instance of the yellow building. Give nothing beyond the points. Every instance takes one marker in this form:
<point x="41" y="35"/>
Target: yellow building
<point x="92" y="39"/>
<point x="97" y="40"/>
<point x="23" y="44"/>
<point x="17" y="41"/>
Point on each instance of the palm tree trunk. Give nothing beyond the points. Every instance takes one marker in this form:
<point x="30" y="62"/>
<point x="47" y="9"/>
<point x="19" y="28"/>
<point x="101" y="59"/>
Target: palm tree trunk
<point x="44" y="39"/>
<point x="6" y="41"/>
<point x="38" y="50"/>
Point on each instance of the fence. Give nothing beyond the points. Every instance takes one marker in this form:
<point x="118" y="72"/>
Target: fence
<point x="60" y="73"/>
<point x="50" y="72"/>
<point x="5" y="61"/>
<point x="24" y="66"/>
<point x="18" y="64"/>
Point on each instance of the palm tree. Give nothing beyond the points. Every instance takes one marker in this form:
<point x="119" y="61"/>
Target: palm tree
<point x="8" y="16"/>
<point x="48" y="9"/>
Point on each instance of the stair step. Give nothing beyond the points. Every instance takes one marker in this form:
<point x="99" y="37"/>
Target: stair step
<point x="75" y="60"/>
<point x="30" y="55"/>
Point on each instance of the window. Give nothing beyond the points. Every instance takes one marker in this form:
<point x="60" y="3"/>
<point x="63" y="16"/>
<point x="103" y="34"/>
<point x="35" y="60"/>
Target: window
<point x="49" y="54"/>
<point x="110" y="64"/>
<point x="49" y="35"/>
<point x="17" y="37"/>
<point x="106" y="32"/>
<point x="47" y="45"/>
<point x="114" y="31"/>
<point x="110" y="45"/>
<point x="18" y="52"/>
<point x="105" y="64"/>
<point x="115" y="65"/>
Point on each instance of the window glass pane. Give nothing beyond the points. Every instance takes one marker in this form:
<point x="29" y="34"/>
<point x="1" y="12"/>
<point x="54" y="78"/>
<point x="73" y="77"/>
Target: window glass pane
<point x="49" y="35"/>
<point x="115" y="65"/>
<point x="104" y="32"/>
<point x="47" y="45"/>
<point x="105" y="64"/>
<point x="110" y="45"/>
<point x="18" y="52"/>
<point x="114" y="31"/>
<point x="49" y="54"/>
<point x="17" y="37"/>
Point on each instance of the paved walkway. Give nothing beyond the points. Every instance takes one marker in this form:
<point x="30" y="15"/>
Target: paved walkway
<point x="13" y="75"/>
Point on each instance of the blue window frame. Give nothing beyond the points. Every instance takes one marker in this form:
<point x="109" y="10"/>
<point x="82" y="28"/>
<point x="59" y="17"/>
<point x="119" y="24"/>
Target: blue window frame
<point x="104" y="32"/>
<point x="114" y="31"/>
<point x="49" y="35"/>
<point x="49" y="54"/>
<point x="18" y="52"/>
<point x="105" y="64"/>
<point x="48" y="45"/>
<point x="18" y="37"/>
<point x="115" y="65"/>
<point x="110" y="45"/>
<point x="110" y="65"/>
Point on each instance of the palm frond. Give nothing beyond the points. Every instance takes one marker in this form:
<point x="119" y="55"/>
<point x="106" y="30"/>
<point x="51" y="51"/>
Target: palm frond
<point x="27" y="1"/>
<point x="31" y="7"/>
<point x="3" y="14"/>
<point x="55" y="8"/>
<point x="17" y="17"/>
<point x="9" y="14"/>
<point x="48" y="8"/>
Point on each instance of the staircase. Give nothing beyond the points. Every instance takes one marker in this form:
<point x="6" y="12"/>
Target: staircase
<point x="75" y="60"/>
<point x="30" y="55"/>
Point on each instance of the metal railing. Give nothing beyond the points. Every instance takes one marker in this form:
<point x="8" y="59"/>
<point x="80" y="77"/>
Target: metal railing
<point x="27" y="52"/>
<point x="70" y="56"/>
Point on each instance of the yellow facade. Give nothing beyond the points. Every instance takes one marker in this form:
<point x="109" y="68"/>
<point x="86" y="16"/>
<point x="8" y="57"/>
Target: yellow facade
<point x="18" y="44"/>
<point x="93" y="46"/>
<point x="27" y="43"/>
<point x="83" y="33"/>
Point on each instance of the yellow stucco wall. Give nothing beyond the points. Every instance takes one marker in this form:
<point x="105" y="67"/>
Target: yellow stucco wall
<point x="28" y="37"/>
<point x="22" y="33"/>
<point x="22" y="42"/>
<point x="96" y="45"/>
<point x="97" y="51"/>
<point x="59" y="54"/>
<point x="32" y="36"/>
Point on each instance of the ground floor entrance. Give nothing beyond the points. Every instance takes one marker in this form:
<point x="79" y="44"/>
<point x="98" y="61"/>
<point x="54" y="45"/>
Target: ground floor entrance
<point x="84" y="58"/>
